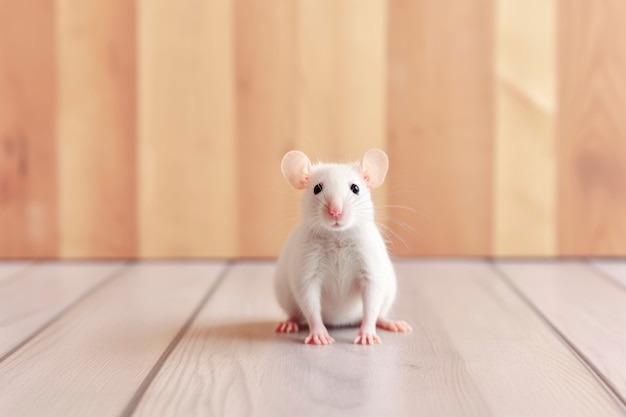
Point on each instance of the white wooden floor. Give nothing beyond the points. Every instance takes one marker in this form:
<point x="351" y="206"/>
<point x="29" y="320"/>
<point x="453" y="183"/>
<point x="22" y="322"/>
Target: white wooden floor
<point x="197" y="338"/>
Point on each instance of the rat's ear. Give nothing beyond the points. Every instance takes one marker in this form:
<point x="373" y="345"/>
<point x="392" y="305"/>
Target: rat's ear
<point x="374" y="167"/>
<point x="296" y="169"/>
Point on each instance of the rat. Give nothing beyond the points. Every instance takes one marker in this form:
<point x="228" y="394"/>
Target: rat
<point x="334" y="268"/>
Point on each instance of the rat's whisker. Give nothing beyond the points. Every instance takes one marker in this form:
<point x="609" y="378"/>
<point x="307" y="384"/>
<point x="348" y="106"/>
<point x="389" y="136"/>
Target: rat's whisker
<point x="388" y="229"/>
<point x="411" y="209"/>
<point x="396" y="221"/>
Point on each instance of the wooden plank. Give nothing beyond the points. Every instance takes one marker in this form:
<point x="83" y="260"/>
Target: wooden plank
<point x="591" y="128"/>
<point x="28" y="187"/>
<point x="616" y="269"/>
<point x="93" y="360"/>
<point x="10" y="269"/>
<point x="97" y="128"/>
<point x="30" y="301"/>
<point x="440" y="127"/>
<point x="341" y="88"/>
<point x="187" y="153"/>
<point x="587" y="309"/>
<point x="474" y="349"/>
<point x="525" y="140"/>
<point x="265" y="79"/>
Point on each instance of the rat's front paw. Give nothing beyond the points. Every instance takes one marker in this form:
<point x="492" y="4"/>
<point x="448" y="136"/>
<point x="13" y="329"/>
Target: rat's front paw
<point x="319" y="338"/>
<point x="366" y="338"/>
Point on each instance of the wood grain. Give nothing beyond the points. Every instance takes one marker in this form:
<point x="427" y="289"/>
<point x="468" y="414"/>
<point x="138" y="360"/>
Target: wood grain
<point x="591" y="129"/>
<point x="341" y="66"/>
<point x="265" y="74"/>
<point x="92" y="361"/>
<point x="587" y="309"/>
<point x="497" y="340"/>
<point x="187" y="160"/>
<point x="476" y="349"/>
<point x="155" y="128"/>
<point x="30" y="301"/>
<point x="440" y="124"/>
<point x="28" y="188"/>
<point x="10" y="269"/>
<point x="97" y="128"/>
<point x="525" y="160"/>
<point x="615" y="269"/>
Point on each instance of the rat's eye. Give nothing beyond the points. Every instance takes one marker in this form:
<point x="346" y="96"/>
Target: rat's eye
<point x="355" y="189"/>
<point x="317" y="189"/>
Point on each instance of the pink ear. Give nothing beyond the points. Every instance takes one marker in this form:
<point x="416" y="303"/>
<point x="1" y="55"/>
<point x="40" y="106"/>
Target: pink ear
<point x="296" y="169"/>
<point x="374" y="167"/>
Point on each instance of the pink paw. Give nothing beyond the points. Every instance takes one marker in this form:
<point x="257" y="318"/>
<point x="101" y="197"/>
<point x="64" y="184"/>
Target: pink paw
<point x="320" y="338"/>
<point x="367" y="339"/>
<point x="288" y="326"/>
<point x="394" y="326"/>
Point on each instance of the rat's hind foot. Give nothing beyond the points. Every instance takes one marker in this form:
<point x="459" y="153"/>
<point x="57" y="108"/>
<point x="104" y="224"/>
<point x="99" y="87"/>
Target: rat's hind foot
<point x="394" y="326"/>
<point x="289" y="326"/>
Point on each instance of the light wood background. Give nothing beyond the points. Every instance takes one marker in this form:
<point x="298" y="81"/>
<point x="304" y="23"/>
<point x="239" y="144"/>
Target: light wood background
<point x="155" y="128"/>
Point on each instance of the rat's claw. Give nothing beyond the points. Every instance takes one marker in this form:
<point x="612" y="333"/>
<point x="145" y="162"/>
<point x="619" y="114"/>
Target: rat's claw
<point x="394" y="326"/>
<point x="367" y="339"/>
<point x="403" y="326"/>
<point x="319" y="339"/>
<point x="288" y="326"/>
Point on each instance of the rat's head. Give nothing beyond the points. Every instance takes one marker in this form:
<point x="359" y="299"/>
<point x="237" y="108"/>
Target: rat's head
<point x="337" y="196"/>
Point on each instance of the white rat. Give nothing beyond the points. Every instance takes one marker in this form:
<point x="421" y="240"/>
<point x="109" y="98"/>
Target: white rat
<point x="334" y="268"/>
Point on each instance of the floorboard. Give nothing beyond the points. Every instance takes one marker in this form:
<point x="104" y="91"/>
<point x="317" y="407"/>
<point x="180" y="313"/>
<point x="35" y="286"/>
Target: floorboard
<point x="93" y="360"/>
<point x="588" y="309"/>
<point x="614" y="269"/>
<point x="476" y="349"/>
<point x="9" y="269"/>
<point x="30" y="300"/>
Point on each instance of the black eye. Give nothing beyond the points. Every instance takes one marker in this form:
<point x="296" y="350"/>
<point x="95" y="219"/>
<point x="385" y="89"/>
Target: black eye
<point x="355" y="189"/>
<point x="317" y="189"/>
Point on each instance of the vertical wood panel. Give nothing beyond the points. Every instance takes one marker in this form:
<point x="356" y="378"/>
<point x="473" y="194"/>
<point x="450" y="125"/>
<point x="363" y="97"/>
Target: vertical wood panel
<point x="265" y="67"/>
<point x="440" y="124"/>
<point x="187" y="182"/>
<point x="525" y="140"/>
<point x="28" y="226"/>
<point x="171" y="117"/>
<point x="97" y="128"/>
<point x="341" y="86"/>
<point x="591" y="128"/>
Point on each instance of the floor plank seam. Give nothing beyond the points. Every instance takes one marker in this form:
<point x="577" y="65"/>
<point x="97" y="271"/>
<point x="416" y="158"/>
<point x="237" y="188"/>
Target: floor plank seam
<point x="135" y="400"/>
<point x="595" y="372"/>
<point x="605" y="275"/>
<point x="105" y="281"/>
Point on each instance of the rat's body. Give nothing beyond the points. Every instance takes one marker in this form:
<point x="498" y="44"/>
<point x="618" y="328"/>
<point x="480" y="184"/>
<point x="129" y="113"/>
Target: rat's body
<point x="334" y="268"/>
<point x="340" y="264"/>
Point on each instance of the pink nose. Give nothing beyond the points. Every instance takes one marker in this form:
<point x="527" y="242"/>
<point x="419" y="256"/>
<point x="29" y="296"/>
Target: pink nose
<point x="334" y="212"/>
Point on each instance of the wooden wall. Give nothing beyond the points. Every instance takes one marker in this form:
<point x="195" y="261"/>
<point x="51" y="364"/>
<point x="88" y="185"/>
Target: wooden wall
<point x="155" y="128"/>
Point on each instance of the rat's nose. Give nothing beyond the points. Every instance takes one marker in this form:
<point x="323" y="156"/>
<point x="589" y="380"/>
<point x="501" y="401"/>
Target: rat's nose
<point x="334" y="211"/>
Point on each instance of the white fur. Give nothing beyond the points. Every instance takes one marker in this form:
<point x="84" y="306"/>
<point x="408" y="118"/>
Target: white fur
<point x="343" y="272"/>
